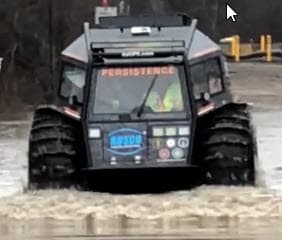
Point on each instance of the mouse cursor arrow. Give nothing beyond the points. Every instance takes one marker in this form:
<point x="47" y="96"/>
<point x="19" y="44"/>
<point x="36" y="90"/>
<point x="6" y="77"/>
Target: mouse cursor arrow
<point x="230" y="13"/>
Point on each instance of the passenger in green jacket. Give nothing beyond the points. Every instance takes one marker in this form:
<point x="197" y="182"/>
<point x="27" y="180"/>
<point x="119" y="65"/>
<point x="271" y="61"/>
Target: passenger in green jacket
<point x="173" y="101"/>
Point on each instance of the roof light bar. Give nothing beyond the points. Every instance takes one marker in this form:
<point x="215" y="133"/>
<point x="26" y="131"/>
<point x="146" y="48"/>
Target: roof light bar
<point x="136" y="45"/>
<point x="141" y="30"/>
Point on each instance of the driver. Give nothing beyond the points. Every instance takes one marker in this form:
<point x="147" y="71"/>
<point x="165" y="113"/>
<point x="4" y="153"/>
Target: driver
<point x="173" y="98"/>
<point x="155" y="102"/>
<point x="172" y="101"/>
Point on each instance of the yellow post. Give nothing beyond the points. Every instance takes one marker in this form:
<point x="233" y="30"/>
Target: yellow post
<point x="268" y="48"/>
<point x="262" y="43"/>
<point x="233" y="46"/>
<point x="237" y="48"/>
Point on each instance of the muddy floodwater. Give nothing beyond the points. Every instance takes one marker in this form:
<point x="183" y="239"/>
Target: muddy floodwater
<point x="201" y="213"/>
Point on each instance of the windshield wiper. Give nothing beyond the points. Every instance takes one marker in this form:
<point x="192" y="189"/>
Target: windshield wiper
<point x="142" y="106"/>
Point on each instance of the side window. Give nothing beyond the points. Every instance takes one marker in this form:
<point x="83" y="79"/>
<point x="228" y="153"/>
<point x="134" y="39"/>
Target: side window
<point x="199" y="79"/>
<point x="73" y="80"/>
<point x="214" y="74"/>
<point x="207" y="77"/>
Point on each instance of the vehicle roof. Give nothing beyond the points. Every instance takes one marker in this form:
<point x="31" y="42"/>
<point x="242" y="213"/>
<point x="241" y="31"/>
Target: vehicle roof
<point x="201" y="44"/>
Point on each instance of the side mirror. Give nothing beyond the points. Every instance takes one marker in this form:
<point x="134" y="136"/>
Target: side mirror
<point x="73" y="101"/>
<point x="205" y="97"/>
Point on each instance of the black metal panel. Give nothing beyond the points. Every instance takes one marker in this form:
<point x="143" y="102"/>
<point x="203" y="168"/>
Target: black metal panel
<point x="96" y="151"/>
<point x="105" y="156"/>
<point x="152" y="21"/>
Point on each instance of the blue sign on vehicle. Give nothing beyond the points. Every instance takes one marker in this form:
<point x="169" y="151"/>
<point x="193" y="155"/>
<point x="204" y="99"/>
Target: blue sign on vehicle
<point x="129" y="141"/>
<point x="125" y="141"/>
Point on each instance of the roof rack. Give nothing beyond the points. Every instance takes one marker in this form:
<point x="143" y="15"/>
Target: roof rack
<point x="141" y="49"/>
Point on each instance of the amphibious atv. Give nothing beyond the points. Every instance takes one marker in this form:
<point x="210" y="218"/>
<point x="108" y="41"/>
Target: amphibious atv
<point x="102" y="119"/>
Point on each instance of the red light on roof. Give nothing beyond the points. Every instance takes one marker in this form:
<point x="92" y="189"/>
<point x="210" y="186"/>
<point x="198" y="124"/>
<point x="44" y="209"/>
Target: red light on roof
<point x="105" y="3"/>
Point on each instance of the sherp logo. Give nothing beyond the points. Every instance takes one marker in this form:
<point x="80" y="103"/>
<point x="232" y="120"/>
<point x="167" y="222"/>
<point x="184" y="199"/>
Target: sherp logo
<point x="125" y="142"/>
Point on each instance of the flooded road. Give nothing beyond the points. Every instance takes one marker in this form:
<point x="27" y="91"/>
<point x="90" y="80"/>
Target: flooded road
<point x="202" y="213"/>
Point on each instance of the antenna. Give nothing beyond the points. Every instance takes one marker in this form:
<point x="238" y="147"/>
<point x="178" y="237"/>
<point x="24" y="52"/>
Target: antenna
<point x="86" y="26"/>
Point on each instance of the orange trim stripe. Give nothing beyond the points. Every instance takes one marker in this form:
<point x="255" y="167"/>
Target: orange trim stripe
<point x="72" y="113"/>
<point x="206" y="109"/>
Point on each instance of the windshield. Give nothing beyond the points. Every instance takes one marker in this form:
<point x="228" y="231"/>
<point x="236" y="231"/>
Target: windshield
<point x="129" y="90"/>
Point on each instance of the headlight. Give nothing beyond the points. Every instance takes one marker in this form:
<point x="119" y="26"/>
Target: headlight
<point x="171" y="131"/>
<point x="138" y="158"/>
<point x="158" y="132"/>
<point x="94" y="133"/>
<point x="184" y="131"/>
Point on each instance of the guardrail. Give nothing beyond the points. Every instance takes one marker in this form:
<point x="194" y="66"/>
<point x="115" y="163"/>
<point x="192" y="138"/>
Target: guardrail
<point x="235" y="50"/>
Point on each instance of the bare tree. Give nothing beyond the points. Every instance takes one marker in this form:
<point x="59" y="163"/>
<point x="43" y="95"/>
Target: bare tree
<point x="157" y="6"/>
<point x="214" y="16"/>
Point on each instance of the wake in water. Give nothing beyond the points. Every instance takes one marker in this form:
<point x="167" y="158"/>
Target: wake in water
<point x="202" y="202"/>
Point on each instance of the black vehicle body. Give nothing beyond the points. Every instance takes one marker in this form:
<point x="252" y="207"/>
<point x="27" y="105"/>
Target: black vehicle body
<point x="129" y="140"/>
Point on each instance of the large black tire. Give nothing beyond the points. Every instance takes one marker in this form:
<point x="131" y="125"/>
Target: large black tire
<point x="52" y="152"/>
<point x="227" y="147"/>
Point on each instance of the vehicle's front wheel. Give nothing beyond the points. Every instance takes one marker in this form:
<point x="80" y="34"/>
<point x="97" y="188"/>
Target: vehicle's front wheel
<point x="52" y="151"/>
<point x="227" y="147"/>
